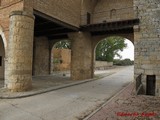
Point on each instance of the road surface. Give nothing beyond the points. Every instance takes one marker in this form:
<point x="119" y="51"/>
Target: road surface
<point x="70" y="103"/>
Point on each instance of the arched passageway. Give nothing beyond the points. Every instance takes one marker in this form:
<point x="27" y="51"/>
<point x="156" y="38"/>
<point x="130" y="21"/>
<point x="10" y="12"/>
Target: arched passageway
<point x="61" y="56"/>
<point x="113" y="50"/>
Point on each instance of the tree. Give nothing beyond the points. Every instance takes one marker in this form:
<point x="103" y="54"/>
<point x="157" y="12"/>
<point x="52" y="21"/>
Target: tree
<point x="108" y="48"/>
<point x="64" y="44"/>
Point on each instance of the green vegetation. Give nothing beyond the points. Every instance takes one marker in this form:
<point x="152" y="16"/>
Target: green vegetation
<point x="107" y="49"/>
<point x="124" y="62"/>
<point x="57" y="61"/>
<point x="64" y="44"/>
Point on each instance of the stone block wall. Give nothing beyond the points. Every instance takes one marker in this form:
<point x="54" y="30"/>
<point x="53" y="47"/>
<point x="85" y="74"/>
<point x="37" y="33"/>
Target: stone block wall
<point x="67" y="11"/>
<point x="41" y="56"/>
<point x="147" y="41"/>
<point x="87" y="6"/>
<point x="107" y="10"/>
<point x="6" y="7"/>
<point x="103" y="64"/>
<point x="61" y="59"/>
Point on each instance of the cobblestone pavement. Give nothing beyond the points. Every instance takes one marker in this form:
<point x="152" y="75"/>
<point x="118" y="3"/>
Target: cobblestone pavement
<point x="128" y="106"/>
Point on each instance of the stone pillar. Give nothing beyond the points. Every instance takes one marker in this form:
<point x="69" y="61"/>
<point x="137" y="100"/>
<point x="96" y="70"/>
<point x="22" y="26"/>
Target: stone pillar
<point x="81" y="56"/>
<point x="147" y="41"/>
<point x="18" y="74"/>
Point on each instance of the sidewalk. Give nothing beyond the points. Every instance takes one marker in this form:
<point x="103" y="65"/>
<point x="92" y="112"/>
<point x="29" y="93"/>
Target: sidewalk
<point x="127" y="106"/>
<point x="43" y="84"/>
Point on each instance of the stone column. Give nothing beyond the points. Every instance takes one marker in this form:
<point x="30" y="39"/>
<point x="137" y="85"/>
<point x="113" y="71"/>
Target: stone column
<point x="81" y="56"/>
<point x="18" y="74"/>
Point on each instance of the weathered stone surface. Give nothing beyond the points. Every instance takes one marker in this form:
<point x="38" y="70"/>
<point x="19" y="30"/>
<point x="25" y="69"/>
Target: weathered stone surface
<point x="41" y="59"/>
<point x="147" y="40"/>
<point x="81" y="56"/>
<point x="18" y="75"/>
<point x="61" y="59"/>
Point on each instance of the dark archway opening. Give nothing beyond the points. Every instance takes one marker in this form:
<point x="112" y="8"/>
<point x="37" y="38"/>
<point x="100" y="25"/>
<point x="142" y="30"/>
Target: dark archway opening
<point x="151" y="85"/>
<point x="2" y="55"/>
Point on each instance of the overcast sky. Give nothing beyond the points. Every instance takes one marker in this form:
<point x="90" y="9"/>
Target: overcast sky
<point x="129" y="51"/>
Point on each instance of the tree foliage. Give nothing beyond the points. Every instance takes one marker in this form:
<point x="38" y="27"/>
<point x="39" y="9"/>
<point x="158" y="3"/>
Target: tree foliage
<point x="64" y="44"/>
<point x="123" y="62"/>
<point x="108" y="48"/>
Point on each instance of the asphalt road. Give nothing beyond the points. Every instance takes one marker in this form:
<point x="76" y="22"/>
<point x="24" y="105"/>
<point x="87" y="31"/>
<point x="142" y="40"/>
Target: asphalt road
<point x="70" y="103"/>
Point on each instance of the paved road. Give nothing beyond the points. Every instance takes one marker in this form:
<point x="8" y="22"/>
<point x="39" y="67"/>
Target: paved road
<point x="66" y="104"/>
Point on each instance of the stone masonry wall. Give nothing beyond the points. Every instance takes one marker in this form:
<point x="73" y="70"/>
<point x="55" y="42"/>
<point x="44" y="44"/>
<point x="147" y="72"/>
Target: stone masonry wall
<point x="147" y="41"/>
<point x="103" y="64"/>
<point x="41" y="56"/>
<point x="107" y="10"/>
<point x="87" y="6"/>
<point x="67" y="11"/>
<point x="8" y="2"/>
<point x="61" y="59"/>
<point x="6" y="7"/>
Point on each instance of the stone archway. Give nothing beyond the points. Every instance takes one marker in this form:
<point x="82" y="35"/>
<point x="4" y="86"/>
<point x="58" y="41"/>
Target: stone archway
<point x="61" y="56"/>
<point x="98" y="39"/>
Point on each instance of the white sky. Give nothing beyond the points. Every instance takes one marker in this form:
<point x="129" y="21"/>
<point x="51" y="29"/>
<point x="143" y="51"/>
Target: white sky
<point x="128" y="52"/>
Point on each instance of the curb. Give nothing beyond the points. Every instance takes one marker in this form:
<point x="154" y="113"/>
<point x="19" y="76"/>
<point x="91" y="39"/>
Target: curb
<point x="53" y="88"/>
<point x="107" y="101"/>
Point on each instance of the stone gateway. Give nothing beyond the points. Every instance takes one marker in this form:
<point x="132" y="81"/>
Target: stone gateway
<point x="30" y="28"/>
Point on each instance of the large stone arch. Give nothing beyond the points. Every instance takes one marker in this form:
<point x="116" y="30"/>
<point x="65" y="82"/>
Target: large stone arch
<point x="97" y="39"/>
